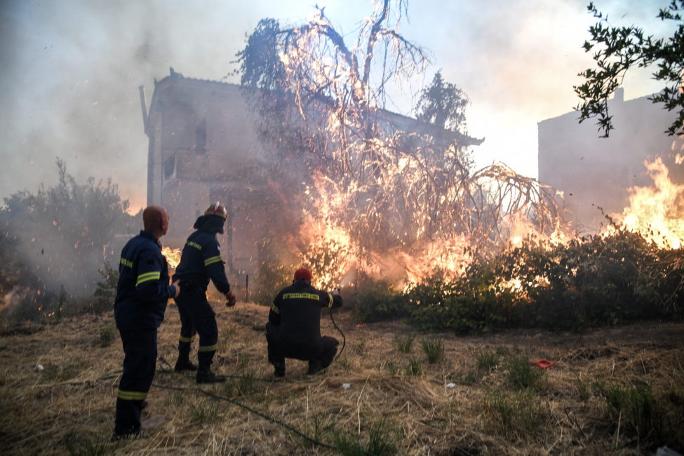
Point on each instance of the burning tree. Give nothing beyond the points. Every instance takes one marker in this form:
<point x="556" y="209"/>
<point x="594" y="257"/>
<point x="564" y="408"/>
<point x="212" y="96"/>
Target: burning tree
<point x="378" y="189"/>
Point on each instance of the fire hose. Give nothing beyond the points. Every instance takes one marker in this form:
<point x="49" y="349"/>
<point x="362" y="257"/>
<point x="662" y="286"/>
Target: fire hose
<point x="344" y="339"/>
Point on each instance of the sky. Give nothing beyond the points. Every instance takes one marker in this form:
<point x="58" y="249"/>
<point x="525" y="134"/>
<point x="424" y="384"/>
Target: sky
<point x="70" y="71"/>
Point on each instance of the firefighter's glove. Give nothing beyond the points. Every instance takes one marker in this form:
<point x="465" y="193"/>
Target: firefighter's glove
<point x="230" y="299"/>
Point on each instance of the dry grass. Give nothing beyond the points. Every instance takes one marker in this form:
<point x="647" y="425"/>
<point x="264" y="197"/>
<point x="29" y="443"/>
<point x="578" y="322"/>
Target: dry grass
<point x="397" y="402"/>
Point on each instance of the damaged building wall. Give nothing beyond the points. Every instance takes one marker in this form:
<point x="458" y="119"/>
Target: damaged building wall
<point x="593" y="172"/>
<point x="203" y="147"/>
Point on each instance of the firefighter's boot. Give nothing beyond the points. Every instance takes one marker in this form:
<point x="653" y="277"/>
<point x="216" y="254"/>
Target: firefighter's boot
<point x="279" y="369"/>
<point x="183" y="363"/>
<point x="204" y="373"/>
<point x="207" y="376"/>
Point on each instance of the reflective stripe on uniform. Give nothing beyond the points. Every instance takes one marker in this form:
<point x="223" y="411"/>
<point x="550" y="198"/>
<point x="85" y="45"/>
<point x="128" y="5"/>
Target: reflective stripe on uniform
<point x="147" y="277"/>
<point x="126" y="262"/>
<point x="275" y="309"/>
<point x="195" y="245"/>
<point x="212" y="260"/>
<point x="185" y="339"/>
<point x="208" y="348"/>
<point x="131" y="395"/>
<point x="313" y="296"/>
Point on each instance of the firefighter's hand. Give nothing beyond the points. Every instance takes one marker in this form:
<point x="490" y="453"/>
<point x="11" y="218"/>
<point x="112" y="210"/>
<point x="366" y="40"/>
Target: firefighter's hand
<point x="230" y="299"/>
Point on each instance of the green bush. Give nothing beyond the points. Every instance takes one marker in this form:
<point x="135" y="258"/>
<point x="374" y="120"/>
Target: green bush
<point x="513" y="415"/>
<point x="520" y="375"/>
<point x="375" y="301"/>
<point x="637" y="411"/>
<point x="591" y="281"/>
<point x="487" y="361"/>
<point x="433" y="349"/>
<point x="380" y="441"/>
<point x="405" y="342"/>
<point x="413" y="368"/>
<point x="53" y="241"/>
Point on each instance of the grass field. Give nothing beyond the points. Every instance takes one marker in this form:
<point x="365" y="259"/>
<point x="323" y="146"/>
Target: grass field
<point x="393" y="391"/>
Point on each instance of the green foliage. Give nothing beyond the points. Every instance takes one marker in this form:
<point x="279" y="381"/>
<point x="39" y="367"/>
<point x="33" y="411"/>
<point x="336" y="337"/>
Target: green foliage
<point x="53" y="242"/>
<point x="433" y="349"/>
<point x="520" y="375"/>
<point x="260" y="66"/>
<point x="443" y="104"/>
<point x="487" y="361"/>
<point x="591" y="281"/>
<point x="105" y="289"/>
<point x="272" y="275"/>
<point x="405" y="342"/>
<point x="437" y="304"/>
<point x="375" y="300"/>
<point x="616" y="50"/>
<point x="636" y="410"/>
<point x="414" y="368"/>
<point x="513" y="415"/>
<point x="379" y="442"/>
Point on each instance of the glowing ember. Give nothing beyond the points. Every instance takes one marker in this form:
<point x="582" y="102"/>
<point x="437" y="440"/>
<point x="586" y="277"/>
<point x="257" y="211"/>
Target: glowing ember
<point x="172" y="256"/>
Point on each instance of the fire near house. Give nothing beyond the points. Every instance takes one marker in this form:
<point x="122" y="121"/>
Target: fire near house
<point x="592" y="171"/>
<point x="204" y="146"/>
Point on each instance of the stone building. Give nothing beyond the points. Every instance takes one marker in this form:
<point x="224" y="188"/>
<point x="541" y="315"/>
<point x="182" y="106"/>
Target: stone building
<point x="204" y="147"/>
<point x="594" y="172"/>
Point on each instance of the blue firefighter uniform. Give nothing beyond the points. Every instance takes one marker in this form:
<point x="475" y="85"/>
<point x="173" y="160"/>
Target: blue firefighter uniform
<point x="200" y="262"/>
<point x="141" y="296"/>
<point x="294" y="327"/>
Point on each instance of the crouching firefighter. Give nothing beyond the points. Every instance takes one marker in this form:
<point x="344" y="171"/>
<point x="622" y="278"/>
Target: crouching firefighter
<point x="201" y="262"/>
<point x="141" y="295"/>
<point x="294" y="325"/>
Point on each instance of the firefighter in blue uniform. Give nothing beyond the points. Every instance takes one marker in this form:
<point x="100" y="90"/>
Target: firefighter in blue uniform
<point x="294" y="325"/>
<point x="141" y="295"/>
<point x="201" y="262"/>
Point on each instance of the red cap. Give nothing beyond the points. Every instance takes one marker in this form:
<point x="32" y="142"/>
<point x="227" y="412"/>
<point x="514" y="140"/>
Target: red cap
<point x="303" y="274"/>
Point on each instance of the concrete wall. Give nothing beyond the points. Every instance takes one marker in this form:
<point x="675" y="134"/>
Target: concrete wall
<point x="596" y="172"/>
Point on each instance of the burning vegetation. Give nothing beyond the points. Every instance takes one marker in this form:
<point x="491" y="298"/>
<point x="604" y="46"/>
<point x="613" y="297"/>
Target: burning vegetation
<point x="403" y="222"/>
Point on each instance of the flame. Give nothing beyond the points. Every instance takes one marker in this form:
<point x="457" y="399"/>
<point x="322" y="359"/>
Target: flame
<point x="655" y="212"/>
<point x="172" y="256"/>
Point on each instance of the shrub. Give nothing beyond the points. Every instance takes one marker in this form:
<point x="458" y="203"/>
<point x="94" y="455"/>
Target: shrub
<point x="521" y="375"/>
<point x="272" y="275"/>
<point x="414" y="367"/>
<point x="636" y="409"/>
<point x="52" y="242"/>
<point x="513" y="415"/>
<point x="107" y="335"/>
<point x="595" y="280"/>
<point x="405" y="342"/>
<point x="379" y="442"/>
<point x="487" y="361"/>
<point x="376" y="301"/>
<point x="433" y="349"/>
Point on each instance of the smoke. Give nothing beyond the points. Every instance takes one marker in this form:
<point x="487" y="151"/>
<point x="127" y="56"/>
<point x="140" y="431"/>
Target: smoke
<point x="71" y="70"/>
<point x="70" y="76"/>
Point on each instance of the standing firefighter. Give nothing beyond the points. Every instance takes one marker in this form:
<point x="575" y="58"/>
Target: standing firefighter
<point x="294" y="325"/>
<point x="200" y="262"/>
<point x="141" y="296"/>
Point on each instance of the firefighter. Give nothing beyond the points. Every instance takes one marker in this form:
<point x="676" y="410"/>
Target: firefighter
<point x="141" y="295"/>
<point x="201" y="262"/>
<point x="294" y="325"/>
